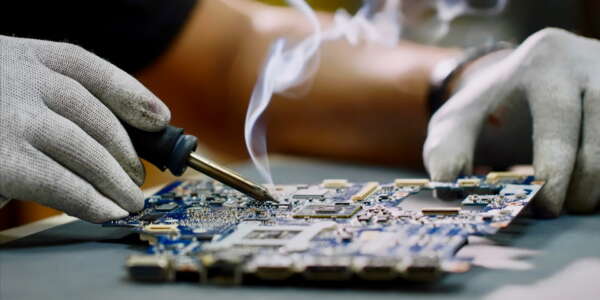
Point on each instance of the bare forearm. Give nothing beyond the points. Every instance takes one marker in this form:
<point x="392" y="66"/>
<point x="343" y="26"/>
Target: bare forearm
<point x="366" y="102"/>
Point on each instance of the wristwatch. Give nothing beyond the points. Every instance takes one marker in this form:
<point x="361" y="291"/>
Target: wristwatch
<point x="445" y="71"/>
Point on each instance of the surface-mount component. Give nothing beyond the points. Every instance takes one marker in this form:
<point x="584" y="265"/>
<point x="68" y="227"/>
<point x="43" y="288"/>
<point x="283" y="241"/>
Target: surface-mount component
<point x="310" y="193"/>
<point x="496" y="177"/>
<point x="447" y="211"/>
<point x="481" y="200"/>
<point x="327" y="211"/>
<point x="365" y="191"/>
<point x="335" y="183"/>
<point x="400" y="182"/>
<point x="166" y="207"/>
<point x="149" y="267"/>
<point x="468" y="182"/>
<point x="160" y="229"/>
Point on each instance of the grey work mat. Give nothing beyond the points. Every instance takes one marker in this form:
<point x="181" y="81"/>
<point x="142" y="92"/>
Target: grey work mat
<point x="85" y="261"/>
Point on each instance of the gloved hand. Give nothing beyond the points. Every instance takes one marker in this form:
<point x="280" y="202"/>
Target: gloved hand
<point x="61" y="142"/>
<point x="558" y="73"/>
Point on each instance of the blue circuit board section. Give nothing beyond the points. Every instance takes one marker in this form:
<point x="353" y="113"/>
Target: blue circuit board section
<point x="409" y="229"/>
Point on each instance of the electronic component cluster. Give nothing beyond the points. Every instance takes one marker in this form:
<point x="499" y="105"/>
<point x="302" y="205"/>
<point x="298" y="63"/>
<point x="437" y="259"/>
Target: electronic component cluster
<point x="409" y="229"/>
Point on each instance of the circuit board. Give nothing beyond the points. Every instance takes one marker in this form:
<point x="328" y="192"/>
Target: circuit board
<point x="406" y="230"/>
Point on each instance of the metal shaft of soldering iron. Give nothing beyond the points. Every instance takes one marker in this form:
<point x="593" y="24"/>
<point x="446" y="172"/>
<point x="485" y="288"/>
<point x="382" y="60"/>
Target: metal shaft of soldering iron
<point x="229" y="177"/>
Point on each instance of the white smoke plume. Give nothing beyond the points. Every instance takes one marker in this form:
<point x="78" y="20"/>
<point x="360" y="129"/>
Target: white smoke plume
<point x="290" y="65"/>
<point x="448" y="10"/>
<point x="431" y="30"/>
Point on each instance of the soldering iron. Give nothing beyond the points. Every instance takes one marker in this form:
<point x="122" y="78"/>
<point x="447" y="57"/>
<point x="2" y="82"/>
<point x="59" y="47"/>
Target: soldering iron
<point x="171" y="149"/>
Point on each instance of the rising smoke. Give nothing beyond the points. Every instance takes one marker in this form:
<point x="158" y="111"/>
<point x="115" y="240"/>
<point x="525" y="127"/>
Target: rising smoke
<point x="291" y="65"/>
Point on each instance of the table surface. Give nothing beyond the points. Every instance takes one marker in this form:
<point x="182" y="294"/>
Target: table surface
<point x="557" y="258"/>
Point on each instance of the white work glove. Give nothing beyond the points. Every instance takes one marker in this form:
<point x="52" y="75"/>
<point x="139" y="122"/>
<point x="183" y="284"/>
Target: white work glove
<point x="61" y="142"/>
<point x="558" y="75"/>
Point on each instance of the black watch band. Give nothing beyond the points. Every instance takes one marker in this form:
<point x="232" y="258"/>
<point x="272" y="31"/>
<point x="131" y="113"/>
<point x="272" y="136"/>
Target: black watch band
<point x="446" y="70"/>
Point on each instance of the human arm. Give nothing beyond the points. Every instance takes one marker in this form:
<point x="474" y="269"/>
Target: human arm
<point x="130" y="34"/>
<point x="366" y="102"/>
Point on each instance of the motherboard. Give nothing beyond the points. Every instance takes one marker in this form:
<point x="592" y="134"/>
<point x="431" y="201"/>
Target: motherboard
<point x="406" y="230"/>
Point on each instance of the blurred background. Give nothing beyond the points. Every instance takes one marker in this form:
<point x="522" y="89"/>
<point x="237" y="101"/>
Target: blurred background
<point x="514" y="23"/>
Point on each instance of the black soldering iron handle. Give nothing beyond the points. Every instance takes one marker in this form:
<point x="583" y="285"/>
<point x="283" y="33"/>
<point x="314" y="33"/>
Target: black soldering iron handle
<point x="166" y="149"/>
